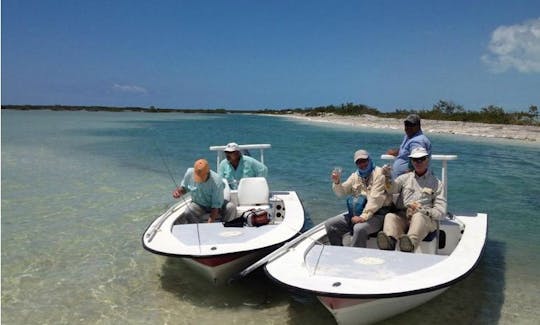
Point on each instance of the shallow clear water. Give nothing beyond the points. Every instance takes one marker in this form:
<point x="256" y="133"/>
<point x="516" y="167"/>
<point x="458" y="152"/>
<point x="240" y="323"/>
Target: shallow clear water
<point x="79" y="188"/>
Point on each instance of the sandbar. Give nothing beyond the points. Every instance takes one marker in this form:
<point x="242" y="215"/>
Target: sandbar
<point x="526" y="133"/>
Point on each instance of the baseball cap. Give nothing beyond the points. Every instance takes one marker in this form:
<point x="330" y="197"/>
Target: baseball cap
<point x="418" y="152"/>
<point x="200" y="170"/>
<point x="360" y="154"/>
<point x="232" y="147"/>
<point x="413" y="119"/>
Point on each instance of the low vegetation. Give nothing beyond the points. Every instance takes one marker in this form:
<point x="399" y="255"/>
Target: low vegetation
<point x="442" y="110"/>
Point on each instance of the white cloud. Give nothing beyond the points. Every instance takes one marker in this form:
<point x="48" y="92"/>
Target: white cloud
<point x="516" y="46"/>
<point x="129" y="89"/>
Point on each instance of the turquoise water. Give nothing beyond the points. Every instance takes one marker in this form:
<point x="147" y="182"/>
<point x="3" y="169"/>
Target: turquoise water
<point x="79" y="188"/>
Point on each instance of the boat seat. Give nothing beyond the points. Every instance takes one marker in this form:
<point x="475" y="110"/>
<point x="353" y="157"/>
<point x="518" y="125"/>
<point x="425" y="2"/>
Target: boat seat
<point x="432" y="235"/>
<point x="253" y="193"/>
<point x="429" y="244"/>
<point x="226" y="190"/>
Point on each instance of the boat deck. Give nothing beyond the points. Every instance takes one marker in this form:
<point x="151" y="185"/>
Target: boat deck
<point x="371" y="273"/>
<point x="365" y="263"/>
<point x="213" y="237"/>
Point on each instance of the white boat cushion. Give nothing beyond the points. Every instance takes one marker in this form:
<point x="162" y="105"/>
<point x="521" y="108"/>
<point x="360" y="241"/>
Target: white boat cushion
<point x="226" y="191"/>
<point x="253" y="191"/>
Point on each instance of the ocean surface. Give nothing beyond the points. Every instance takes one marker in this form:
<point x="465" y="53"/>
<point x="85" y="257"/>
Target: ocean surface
<point x="79" y="189"/>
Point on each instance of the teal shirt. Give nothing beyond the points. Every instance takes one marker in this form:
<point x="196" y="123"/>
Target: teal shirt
<point x="208" y="194"/>
<point x="247" y="167"/>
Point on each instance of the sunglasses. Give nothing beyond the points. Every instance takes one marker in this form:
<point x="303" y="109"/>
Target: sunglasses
<point x="361" y="161"/>
<point x="421" y="159"/>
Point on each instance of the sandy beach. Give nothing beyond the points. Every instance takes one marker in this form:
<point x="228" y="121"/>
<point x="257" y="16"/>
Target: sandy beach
<point x="525" y="133"/>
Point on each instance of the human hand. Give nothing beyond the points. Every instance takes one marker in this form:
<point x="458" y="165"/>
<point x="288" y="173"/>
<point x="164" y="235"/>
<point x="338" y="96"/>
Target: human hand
<point x="335" y="178"/>
<point x="387" y="170"/>
<point x="358" y="219"/>
<point x="392" y="152"/>
<point x="336" y="175"/>
<point x="177" y="193"/>
<point x="412" y="208"/>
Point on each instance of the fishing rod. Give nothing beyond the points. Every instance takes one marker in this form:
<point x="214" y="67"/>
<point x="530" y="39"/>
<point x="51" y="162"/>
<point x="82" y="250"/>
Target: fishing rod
<point x="166" y="165"/>
<point x="150" y="235"/>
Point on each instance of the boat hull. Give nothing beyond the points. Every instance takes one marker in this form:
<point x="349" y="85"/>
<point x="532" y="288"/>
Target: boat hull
<point x="217" y="252"/>
<point x="219" y="269"/>
<point x="350" y="311"/>
<point x="366" y="285"/>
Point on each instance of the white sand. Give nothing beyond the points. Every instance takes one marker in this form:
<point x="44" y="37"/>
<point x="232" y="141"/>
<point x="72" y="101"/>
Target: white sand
<point x="515" y="132"/>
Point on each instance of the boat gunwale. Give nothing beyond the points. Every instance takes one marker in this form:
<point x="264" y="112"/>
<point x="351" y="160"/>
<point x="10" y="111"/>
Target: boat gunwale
<point x="392" y="294"/>
<point x="240" y="253"/>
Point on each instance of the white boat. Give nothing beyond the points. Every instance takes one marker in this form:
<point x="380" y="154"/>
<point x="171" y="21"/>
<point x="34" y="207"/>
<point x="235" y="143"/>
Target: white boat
<point x="366" y="285"/>
<point x="216" y="251"/>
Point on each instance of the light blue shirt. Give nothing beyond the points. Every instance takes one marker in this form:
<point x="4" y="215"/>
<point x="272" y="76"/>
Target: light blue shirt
<point x="247" y="167"/>
<point x="401" y="164"/>
<point x="208" y="194"/>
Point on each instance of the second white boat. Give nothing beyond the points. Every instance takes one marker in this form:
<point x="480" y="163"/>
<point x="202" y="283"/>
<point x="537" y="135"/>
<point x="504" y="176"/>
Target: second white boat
<point x="366" y="285"/>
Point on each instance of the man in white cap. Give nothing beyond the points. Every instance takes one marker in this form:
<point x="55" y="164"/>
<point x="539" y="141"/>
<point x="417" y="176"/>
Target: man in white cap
<point x="367" y="204"/>
<point x="414" y="137"/>
<point x="421" y="202"/>
<point x="207" y="201"/>
<point x="237" y="166"/>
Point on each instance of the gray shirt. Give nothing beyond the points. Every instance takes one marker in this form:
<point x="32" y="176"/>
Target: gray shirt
<point x="427" y="190"/>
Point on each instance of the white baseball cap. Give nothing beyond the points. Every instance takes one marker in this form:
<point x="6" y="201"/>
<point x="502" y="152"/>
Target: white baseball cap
<point x="232" y="147"/>
<point x="418" y="152"/>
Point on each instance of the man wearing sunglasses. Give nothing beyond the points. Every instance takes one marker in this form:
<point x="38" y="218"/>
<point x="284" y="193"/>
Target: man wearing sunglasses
<point x="414" y="137"/>
<point x="420" y="203"/>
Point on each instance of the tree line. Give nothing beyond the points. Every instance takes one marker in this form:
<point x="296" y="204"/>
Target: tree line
<point x="442" y="110"/>
<point x="151" y="109"/>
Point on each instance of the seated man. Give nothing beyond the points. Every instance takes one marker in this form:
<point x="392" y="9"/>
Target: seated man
<point x="237" y="166"/>
<point x="421" y="202"/>
<point x="368" y="183"/>
<point x="206" y="188"/>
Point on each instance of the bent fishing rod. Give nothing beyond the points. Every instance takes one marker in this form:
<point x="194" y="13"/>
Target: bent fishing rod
<point x="166" y="165"/>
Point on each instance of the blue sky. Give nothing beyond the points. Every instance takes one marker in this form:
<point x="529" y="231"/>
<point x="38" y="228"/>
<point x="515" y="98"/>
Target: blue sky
<point x="271" y="54"/>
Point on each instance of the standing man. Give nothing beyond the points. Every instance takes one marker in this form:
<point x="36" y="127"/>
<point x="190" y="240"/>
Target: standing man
<point x="206" y="188"/>
<point x="414" y="137"/>
<point x="421" y="203"/>
<point x="237" y="166"/>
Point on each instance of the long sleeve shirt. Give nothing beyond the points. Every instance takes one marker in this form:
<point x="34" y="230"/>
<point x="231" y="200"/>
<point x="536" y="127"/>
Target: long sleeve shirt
<point x="373" y="188"/>
<point x="401" y="164"/>
<point x="207" y="194"/>
<point x="247" y="167"/>
<point x="427" y="190"/>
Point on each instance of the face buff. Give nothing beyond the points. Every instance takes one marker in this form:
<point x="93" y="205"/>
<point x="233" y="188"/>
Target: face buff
<point x="364" y="173"/>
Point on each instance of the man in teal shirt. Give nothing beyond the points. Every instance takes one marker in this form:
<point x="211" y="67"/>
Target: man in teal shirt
<point x="206" y="188"/>
<point x="237" y="166"/>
